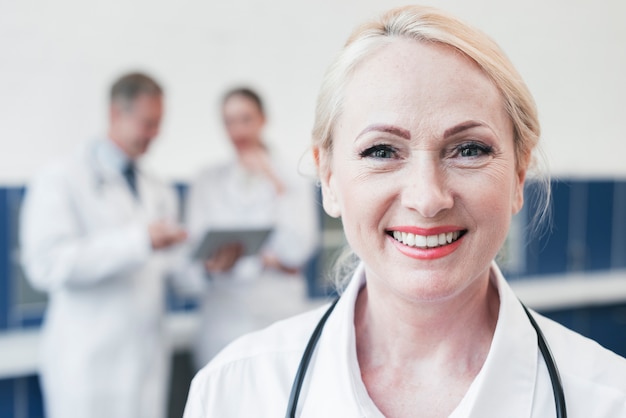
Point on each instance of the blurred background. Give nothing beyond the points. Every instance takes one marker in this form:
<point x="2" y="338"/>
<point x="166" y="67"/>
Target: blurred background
<point x="58" y="59"/>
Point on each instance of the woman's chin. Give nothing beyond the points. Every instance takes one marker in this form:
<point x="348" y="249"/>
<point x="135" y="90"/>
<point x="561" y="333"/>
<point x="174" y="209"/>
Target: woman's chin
<point x="431" y="283"/>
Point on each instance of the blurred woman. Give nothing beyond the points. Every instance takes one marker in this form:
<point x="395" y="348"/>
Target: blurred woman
<point x="257" y="189"/>
<point x="424" y="133"/>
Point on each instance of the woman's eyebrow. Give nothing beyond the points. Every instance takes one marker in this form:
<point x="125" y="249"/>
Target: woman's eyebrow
<point x="395" y="130"/>
<point x="462" y="127"/>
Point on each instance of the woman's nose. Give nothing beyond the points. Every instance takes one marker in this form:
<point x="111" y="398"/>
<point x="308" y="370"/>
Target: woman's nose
<point x="425" y="188"/>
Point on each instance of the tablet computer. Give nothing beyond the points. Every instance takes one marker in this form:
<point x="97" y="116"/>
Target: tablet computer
<point x="251" y="239"/>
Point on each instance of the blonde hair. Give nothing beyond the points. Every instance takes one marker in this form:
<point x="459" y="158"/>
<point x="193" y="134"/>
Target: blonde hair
<point x="427" y="24"/>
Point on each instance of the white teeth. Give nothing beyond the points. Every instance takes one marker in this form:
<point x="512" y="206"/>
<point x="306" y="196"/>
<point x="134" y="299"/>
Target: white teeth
<point x="422" y="241"/>
<point x="442" y="239"/>
<point x="410" y="239"/>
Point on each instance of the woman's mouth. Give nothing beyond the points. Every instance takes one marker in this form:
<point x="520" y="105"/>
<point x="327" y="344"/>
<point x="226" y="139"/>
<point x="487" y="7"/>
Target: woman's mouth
<point x="426" y="241"/>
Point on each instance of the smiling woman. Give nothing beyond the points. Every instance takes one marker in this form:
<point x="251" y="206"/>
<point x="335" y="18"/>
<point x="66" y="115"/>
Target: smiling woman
<point x="455" y="171"/>
<point x="423" y="138"/>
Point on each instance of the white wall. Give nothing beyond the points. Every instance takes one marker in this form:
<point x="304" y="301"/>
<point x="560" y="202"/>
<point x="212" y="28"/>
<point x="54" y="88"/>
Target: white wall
<point x="57" y="59"/>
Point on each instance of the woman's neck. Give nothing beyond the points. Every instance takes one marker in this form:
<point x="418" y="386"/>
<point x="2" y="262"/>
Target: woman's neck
<point x="415" y="329"/>
<point x="433" y="348"/>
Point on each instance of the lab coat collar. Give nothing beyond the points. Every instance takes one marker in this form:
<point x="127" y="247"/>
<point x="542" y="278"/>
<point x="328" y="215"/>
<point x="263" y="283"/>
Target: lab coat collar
<point x="333" y="386"/>
<point x="504" y="386"/>
<point x="107" y="161"/>
<point x="110" y="155"/>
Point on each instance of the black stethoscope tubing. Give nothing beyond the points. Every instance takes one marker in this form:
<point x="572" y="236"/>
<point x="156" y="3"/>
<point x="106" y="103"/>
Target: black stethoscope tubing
<point x="553" y="371"/>
<point x="304" y="362"/>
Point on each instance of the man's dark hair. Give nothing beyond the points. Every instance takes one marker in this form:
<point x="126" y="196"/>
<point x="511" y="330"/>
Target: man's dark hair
<point x="128" y="87"/>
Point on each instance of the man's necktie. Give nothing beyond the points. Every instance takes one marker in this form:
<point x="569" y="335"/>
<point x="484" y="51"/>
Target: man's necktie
<point x="129" y="173"/>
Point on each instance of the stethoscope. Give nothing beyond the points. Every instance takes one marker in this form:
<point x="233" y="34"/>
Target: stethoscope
<point x="553" y="371"/>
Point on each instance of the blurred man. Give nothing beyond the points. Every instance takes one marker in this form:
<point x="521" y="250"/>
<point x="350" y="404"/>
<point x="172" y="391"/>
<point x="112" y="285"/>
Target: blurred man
<point x="93" y="234"/>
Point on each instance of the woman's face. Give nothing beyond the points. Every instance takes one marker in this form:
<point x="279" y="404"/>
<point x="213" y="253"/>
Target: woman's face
<point x="243" y="121"/>
<point x="422" y="170"/>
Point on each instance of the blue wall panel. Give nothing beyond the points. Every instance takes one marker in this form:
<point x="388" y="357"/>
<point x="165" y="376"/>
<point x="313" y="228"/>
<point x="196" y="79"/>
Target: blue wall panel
<point x="599" y="225"/>
<point x="618" y="242"/>
<point x="21" y="398"/>
<point x="5" y="258"/>
<point x="576" y="254"/>
<point x="35" y="399"/>
<point x="7" y="398"/>
<point x="604" y="324"/>
<point x="546" y="251"/>
<point x="607" y="325"/>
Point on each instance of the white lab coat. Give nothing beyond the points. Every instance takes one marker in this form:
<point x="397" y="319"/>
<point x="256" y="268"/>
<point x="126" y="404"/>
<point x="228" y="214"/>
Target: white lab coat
<point x="249" y="298"/>
<point x="253" y="376"/>
<point x="84" y="240"/>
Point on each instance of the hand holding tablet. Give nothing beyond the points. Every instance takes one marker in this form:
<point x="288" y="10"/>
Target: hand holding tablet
<point x="250" y="240"/>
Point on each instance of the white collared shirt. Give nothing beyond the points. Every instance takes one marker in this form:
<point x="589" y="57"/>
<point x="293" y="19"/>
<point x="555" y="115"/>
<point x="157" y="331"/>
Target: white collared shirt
<point x="254" y="375"/>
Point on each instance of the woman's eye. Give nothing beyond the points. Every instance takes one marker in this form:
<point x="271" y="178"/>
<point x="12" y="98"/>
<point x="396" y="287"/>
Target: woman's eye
<point x="473" y="150"/>
<point x="379" y="152"/>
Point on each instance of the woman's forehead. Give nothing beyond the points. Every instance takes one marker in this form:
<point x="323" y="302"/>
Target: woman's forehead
<point x="409" y="79"/>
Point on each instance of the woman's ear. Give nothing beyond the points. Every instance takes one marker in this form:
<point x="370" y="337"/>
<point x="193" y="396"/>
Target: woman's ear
<point x="330" y="199"/>
<point x="518" y="198"/>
